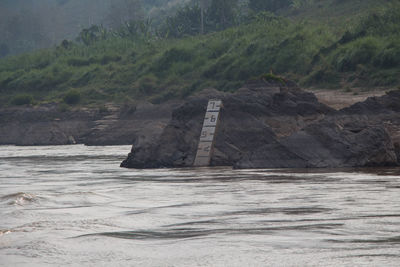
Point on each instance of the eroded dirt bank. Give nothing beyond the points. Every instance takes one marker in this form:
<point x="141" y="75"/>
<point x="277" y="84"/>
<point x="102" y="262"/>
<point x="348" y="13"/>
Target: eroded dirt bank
<point x="339" y="99"/>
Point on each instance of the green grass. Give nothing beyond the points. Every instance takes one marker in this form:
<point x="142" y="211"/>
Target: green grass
<point x="363" y="51"/>
<point x="23" y="99"/>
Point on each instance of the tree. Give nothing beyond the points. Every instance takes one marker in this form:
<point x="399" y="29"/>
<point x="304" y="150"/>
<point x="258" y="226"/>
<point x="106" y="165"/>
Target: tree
<point x="269" y="5"/>
<point x="186" y="21"/>
<point x="222" y="13"/>
<point x="122" y="11"/>
<point x="203" y="7"/>
<point x="92" y="34"/>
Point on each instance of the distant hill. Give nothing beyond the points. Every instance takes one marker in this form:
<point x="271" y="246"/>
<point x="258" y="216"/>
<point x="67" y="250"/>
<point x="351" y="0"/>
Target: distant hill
<point x="324" y="44"/>
<point x="26" y="25"/>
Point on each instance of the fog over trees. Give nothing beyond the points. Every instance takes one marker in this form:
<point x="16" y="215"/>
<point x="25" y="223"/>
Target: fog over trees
<point x="26" y="25"/>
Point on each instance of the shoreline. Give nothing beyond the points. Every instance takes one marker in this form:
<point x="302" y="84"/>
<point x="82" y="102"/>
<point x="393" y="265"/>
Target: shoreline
<point x="115" y="126"/>
<point x="281" y="126"/>
<point x="339" y="99"/>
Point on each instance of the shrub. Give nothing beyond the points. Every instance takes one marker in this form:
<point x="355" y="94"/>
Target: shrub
<point x="357" y="52"/>
<point x="23" y="99"/>
<point x="106" y="59"/>
<point x="79" y="62"/>
<point x="148" y="85"/>
<point x="273" y="78"/>
<point x="72" y="97"/>
<point x="63" y="107"/>
<point x="270" y="5"/>
<point x="389" y="57"/>
<point x="322" y="75"/>
<point x="103" y="109"/>
<point x="171" y="56"/>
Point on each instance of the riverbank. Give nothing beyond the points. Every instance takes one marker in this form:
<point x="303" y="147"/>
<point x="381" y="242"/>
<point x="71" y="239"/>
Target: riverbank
<point x="342" y="98"/>
<point x="271" y="124"/>
<point x="261" y="120"/>
<point x="114" y="125"/>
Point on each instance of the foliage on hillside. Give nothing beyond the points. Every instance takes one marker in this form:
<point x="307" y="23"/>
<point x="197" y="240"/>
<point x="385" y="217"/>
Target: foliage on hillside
<point x="27" y="25"/>
<point x="135" y="63"/>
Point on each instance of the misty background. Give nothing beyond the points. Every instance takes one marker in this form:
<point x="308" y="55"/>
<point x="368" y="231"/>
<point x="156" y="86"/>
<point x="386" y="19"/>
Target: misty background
<point x="26" y="25"/>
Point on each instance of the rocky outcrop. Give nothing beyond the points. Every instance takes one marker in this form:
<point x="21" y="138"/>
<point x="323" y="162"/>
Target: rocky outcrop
<point x="326" y="144"/>
<point x="50" y="125"/>
<point x="44" y="125"/>
<point x="364" y="134"/>
<point x="274" y="125"/>
<point x="381" y="111"/>
<point x="131" y="124"/>
<point x="262" y="125"/>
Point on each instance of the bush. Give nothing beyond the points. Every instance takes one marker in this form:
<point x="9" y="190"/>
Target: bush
<point x="324" y="76"/>
<point x="106" y="59"/>
<point x="63" y="107"/>
<point x="23" y="99"/>
<point x="388" y="57"/>
<point x="148" y="85"/>
<point x="72" y="97"/>
<point x="269" y="77"/>
<point x="270" y="5"/>
<point x="103" y="109"/>
<point x="171" y="56"/>
<point x="361" y="51"/>
<point x="79" y="62"/>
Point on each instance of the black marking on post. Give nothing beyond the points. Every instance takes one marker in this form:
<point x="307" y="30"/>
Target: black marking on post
<point x="205" y="147"/>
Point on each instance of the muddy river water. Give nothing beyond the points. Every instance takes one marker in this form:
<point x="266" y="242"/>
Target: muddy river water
<point x="73" y="205"/>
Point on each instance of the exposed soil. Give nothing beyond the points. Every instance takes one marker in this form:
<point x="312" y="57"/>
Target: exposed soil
<point x="339" y="99"/>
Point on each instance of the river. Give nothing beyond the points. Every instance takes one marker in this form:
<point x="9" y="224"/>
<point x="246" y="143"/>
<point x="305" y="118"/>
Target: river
<point x="73" y="205"/>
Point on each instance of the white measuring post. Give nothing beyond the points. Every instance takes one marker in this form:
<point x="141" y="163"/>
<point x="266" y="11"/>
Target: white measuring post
<point x="207" y="137"/>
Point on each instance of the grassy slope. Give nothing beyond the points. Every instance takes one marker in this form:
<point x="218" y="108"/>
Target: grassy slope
<point x="337" y="51"/>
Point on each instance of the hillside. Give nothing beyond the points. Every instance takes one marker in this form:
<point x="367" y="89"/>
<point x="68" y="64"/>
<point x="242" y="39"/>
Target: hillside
<point x="27" y="25"/>
<point x="352" y="49"/>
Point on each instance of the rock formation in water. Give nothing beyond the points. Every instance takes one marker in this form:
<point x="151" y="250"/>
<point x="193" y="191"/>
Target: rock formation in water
<point x="275" y="125"/>
<point x="44" y="125"/>
<point x="49" y="125"/>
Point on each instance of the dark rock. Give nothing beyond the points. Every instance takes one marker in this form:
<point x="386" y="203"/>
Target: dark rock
<point x="178" y="142"/>
<point x="44" y="125"/>
<point x="243" y="125"/>
<point x="270" y="125"/>
<point x="326" y="144"/>
<point x="386" y="104"/>
<point x="364" y="134"/>
<point x="131" y="125"/>
<point x="50" y="125"/>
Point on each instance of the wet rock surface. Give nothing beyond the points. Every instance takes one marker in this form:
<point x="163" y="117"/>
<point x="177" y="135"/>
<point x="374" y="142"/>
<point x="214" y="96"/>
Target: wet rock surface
<point x="326" y="144"/>
<point x="255" y="123"/>
<point x="274" y="125"/>
<point x="131" y="124"/>
<point x="48" y="125"/>
<point x="262" y="125"/>
<point x="44" y="125"/>
<point x="362" y="135"/>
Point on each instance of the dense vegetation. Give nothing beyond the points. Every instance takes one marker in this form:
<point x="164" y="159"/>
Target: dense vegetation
<point x="26" y="25"/>
<point x="140" y="61"/>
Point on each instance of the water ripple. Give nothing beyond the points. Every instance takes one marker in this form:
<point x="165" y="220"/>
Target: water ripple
<point x="74" y="206"/>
